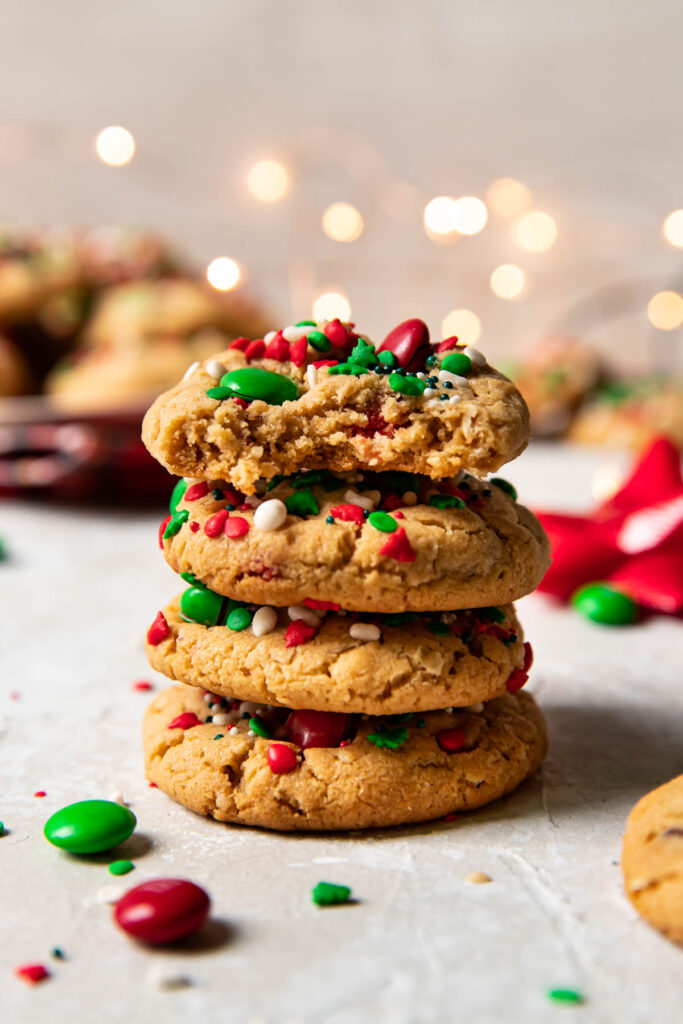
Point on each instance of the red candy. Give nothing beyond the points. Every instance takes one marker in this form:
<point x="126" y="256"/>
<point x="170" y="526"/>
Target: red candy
<point x="32" y="973"/>
<point x="409" y="342"/>
<point x="40" y="792"/>
<point x="194" y="526"/>
<point x="196" y="491"/>
<point x="336" y="332"/>
<point x="316" y="728"/>
<point x="299" y="632"/>
<point x="398" y="547"/>
<point x="516" y="680"/>
<point x="158" y="631"/>
<point x="281" y="759"/>
<point x="348" y="514"/>
<point x="235" y="527"/>
<point x="163" y="910"/>
<point x="162" y="528"/>
<point x="324" y="362"/>
<point x="528" y="656"/>
<point x="321" y="606"/>
<point x="278" y="348"/>
<point x="241" y="402"/>
<point x="451" y="740"/>
<point x="215" y="524"/>
<point x="187" y="720"/>
<point x="255" y="349"/>
<point x="239" y="343"/>
<point x="447" y="344"/>
<point x="298" y="352"/>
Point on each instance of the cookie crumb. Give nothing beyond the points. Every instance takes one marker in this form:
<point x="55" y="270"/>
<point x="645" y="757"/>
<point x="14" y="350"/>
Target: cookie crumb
<point x="478" y="878"/>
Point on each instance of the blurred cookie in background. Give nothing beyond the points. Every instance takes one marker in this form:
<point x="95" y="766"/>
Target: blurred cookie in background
<point x="15" y="378"/>
<point x="630" y="414"/>
<point x="555" y="378"/>
<point x="34" y="267"/>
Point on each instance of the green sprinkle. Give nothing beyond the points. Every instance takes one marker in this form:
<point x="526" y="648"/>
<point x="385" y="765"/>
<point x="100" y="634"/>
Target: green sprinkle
<point x="306" y="323"/>
<point x="492" y="614"/>
<point x="456" y="362"/>
<point x="438" y="628"/>
<point x="565" y="995"/>
<point x="406" y="385"/>
<point x="363" y="354"/>
<point x="383" y="521"/>
<point x="177" y="495"/>
<point x="354" y="368"/>
<point x="316" y="476"/>
<point x="218" y="495"/>
<point x="421" y="723"/>
<point x="239" y="619"/>
<point x="302" y="503"/>
<point x="431" y="360"/>
<point x="387" y="358"/>
<point x="504" y="485"/>
<point x="398" y="480"/>
<point x="319" y="341"/>
<point x="329" y="519"/>
<point x="327" y="894"/>
<point x="2" y="828"/>
<point x="446" y="501"/>
<point x="176" y="521"/>
<point x="400" y="618"/>
<point x="219" y="736"/>
<point x="219" y="393"/>
<point x="121" y="867"/>
<point x="57" y="953"/>
<point x="259" y="727"/>
<point x="274" y="481"/>
<point x="389" y="738"/>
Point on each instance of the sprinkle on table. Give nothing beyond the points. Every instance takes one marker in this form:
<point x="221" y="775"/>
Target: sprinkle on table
<point x="121" y="867"/>
<point x="565" y="995"/>
<point x="478" y="878"/>
<point x="328" y="894"/>
<point x="32" y="973"/>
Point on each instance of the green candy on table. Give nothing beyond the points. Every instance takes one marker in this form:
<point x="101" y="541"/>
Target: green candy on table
<point x="327" y="894"/>
<point x="90" y="826"/>
<point x="121" y="867"/>
<point x="177" y="495"/>
<point x="456" y="362"/>
<point x="603" y="603"/>
<point x="253" y="383"/>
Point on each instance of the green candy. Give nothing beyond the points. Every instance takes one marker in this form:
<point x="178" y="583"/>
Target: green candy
<point x="446" y="501"/>
<point x="90" y="826"/>
<point x="306" y="323"/>
<point x="387" y="358"/>
<point x="175" y="522"/>
<point x="388" y="738"/>
<point x="177" y="495"/>
<point x="302" y="503"/>
<point x="219" y="394"/>
<point x="259" y="727"/>
<point x="456" y="362"/>
<point x="315" y="476"/>
<point x="383" y="521"/>
<point x="504" y="485"/>
<point x="252" y="383"/>
<point x="239" y="619"/>
<point x="121" y="867"/>
<point x="406" y="385"/>
<point x="326" y="894"/>
<point x="199" y="604"/>
<point x="438" y="628"/>
<point x="355" y="368"/>
<point x="363" y="354"/>
<point x="602" y="603"/>
<point x="399" y="618"/>
<point x="319" y="341"/>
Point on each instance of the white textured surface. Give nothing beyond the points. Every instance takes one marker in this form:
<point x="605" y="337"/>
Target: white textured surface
<point x="422" y="945"/>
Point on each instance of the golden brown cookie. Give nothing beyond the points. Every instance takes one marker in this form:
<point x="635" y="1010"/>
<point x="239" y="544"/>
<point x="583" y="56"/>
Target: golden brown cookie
<point x="266" y="408"/>
<point x="35" y="268"/>
<point x="652" y="858"/>
<point x="328" y="661"/>
<point x="380" y="773"/>
<point x="632" y="416"/>
<point x="462" y="544"/>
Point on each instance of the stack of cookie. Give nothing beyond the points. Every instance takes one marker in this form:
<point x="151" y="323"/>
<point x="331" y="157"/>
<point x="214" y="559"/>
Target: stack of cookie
<point x="347" y="646"/>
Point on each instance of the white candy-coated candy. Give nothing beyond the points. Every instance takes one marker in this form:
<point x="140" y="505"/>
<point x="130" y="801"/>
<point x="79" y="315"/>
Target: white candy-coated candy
<point x="269" y="336"/>
<point x="215" y="369"/>
<point x="307" y="615"/>
<point x="264" y="621"/>
<point x="364" y="631"/>
<point x="191" y="369"/>
<point x="270" y="515"/>
<point x="312" y="375"/>
<point x="478" y="358"/>
<point x="293" y="333"/>
<point x="354" y="498"/>
<point x="454" y="378"/>
<point x="410" y="498"/>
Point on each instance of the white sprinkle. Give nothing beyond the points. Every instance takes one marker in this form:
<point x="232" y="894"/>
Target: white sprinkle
<point x="429" y="392"/>
<point x="353" y="498"/>
<point x="269" y="336"/>
<point x="109" y="894"/>
<point x="477" y="357"/>
<point x="215" y="369"/>
<point x="421" y="376"/>
<point x="208" y="697"/>
<point x="455" y="398"/>
<point x="270" y="515"/>
<point x="250" y="732"/>
<point x="191" y="369"/>
<point x="293" y="333"/>
<point x="312" y="375"/>
<point x="307" y="615"/>
<point x="117" y="798"/>
<point x="374" y="496"/>
<point x="364" y="631"/>
<point x="475" y="709"/>
<point x="264" y="621"/>
<point x="454" y="378"/>
<point x="165" y="980"/>
<point x="221" y="719"/>
<point x="410" y="498"/>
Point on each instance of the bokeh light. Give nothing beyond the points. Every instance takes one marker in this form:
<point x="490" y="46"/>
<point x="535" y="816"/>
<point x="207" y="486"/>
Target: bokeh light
<point x="115" y="146"/>
<point x="507" y="281"/>
<point x="665" y="310"/>
<point x="342" y="222"/>
<point x="463" y="323"/>
<point x="508" y="197"/>
<point x="223" y="273"/>
<point x="673" y="229"/>
<point x="332" y="306"/>
<point x="535" y="231"/>
<point x="440" y="216"/>
<point x="268" y="181"/>
<point x="469" y="215"/>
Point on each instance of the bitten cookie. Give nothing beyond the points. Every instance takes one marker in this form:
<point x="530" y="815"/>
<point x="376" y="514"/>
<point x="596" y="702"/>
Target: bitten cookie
<point x="319" y="395"/>
<point x="329" y="661"/>
<point x="382" y="542"/>
<point x="652" y="858"/>
<point x="307" y="770"/>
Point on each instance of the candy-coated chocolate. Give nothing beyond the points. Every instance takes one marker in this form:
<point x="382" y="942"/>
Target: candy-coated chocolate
<point x="199" y="604"/>
<point x="316" y="728"/>
<point x="163" y="910"/>
<point x="456" y="362"/>
<point x="254" y="383"/>
<point x="605" y="604"/>
<point x="409" y="343"/>
<point x="89" y="826"/>
<point x="451" y="740"/>
<point x="383" y="521"/>
<point x="281" y="759"/>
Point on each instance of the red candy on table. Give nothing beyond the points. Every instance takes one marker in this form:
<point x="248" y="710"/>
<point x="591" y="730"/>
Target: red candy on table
<point x="158" y="631"/>
<point x="409" y="343"/>
<point x="163" y="910"/>
<point x="316" y="728"/>
<point x="32" y="973"/>
<point x="321" y="606"/>
<point x="281" y="759"/>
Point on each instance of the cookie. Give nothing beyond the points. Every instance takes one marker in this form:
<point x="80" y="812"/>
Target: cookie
<point x="360" y="543"/>
<point x="334" y="661"/>
<point x="555" y="378"/>
<point x="317" y="396"/>
<point x="15" y="378"/>
<point x="262" y="769"/>
<point x="33" y="269"/>
<point x="652" y="858"/>
<point x="632" y="415"/>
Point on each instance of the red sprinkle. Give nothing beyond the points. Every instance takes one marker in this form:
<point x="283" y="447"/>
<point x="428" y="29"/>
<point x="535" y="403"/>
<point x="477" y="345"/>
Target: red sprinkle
<point x="281" y="759"/>
<point x="528" y="656"/>
<point x="239" y="343"/>
<point x="392" y="501"/>
<point x="194" y="526"/>
<point x="196" y="491"/>
<point x="321" y="606"/>
<point x="398" y="547"/>
<point x="255" y="350"/>
<point x="215" y="524"/>
<point x="516" y="680"/>
<point x="163" y="526"/>
<point x="32" y="973"/>
<point x="187" y="720"/>
<point x="324" y="362"/>
<point x="152" y="785"/>
<point x="242" y="402"/>
<point x="298" y="352"/>
<point x="398" y="515"/>
<point x="235" y="527"/>
<point x="232" y="497"/>
<point x="299" y="632"/>
<point x="451" y="740"/>
<point x="447" y="344"/>
<point x="336" y="332"/>
<point x="450" y="817"/>
<point x="348" y="514"/>
<point x="278" y="348"/>
<point x="246" y="508"/>
<point x="40" y="792"/>
<point x="158" y="631"/>
<point x="142" y="685"/>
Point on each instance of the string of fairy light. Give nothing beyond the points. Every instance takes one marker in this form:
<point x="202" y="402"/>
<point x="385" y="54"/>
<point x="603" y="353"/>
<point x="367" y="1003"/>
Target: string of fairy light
<point x="445" y="219"/>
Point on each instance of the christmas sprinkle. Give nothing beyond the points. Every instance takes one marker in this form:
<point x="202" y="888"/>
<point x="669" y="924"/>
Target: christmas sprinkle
<point x="328" y="894"/>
